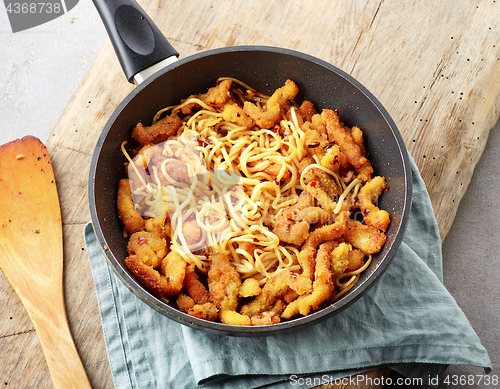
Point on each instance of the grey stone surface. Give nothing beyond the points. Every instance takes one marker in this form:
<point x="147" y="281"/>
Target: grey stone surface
<point x="41" y="68"/>
<point x="471" y="256"/>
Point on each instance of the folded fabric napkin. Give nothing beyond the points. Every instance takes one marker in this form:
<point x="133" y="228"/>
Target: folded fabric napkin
<point x="407" y="321"/>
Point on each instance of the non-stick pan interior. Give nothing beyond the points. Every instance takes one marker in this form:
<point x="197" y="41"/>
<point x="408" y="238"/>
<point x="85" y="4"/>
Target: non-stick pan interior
<point x="265" y="69"/>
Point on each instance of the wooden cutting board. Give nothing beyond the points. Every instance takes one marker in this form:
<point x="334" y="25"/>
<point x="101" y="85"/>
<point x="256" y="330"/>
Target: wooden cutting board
<point x="435" y="67"/>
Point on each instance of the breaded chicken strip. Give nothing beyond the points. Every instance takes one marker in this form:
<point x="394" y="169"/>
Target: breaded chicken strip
<point x="234" y="318"/>
<point x="273" y="289"/>
<point x="292" y="224"/>
<point x="320" y="194"/>
<point x="206" y="311"/>
<point x="127" y="213"/>
<point x="197" y="302"/>
<point x="195" y="289"/>
<point x="339" y="135"/>
<point x="324" y="181"/>
<point x="223" y="283"/>
<point x="216" y="96"/>
<point x="268" y="117"/>
<point x="307" y="110"/>
<point x="158" y="132"/>
<point x="323" y="234"/>
<point x="368" y="239"/>
<point x="356" y="260"/>
<point x="334" y="159"/>
<point x="149" y="247"/>
<point x="368" y="196"/>
<point x="169" y="282"/>
<point x="159" y="225"/>
<point x="265" y="319"/>
<point x="249" y="288"/>
<point x="340" y="259"/>
<point x="323" y="286"/>
<point x="234" y="113"/>
<point x="366" y="170"/>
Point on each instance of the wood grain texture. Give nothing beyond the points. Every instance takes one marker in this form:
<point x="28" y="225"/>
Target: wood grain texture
<point x="31" y="253"/>
<point x="436" y="69"/>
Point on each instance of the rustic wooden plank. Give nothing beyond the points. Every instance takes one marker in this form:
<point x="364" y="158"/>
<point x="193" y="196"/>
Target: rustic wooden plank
<point x="435" y="69"/>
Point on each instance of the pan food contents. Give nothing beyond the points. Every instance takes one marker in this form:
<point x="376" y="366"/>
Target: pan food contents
<point x="250" y="209"/>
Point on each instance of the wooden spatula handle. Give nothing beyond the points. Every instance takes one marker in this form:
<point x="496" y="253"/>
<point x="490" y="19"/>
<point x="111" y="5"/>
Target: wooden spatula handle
<point x="65" y="366"/>
<point x="44" y="302"/>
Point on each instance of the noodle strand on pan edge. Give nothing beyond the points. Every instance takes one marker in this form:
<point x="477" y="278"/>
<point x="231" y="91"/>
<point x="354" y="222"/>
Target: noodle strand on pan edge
<point x="273" y="188"/>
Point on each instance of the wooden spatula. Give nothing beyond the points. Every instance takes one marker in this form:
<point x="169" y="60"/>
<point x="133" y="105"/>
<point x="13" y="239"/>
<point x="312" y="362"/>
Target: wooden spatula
<point x="31" y="253"/>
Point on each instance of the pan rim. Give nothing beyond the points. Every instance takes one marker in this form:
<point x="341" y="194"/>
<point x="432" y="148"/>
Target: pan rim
<point x="225" y="329"/>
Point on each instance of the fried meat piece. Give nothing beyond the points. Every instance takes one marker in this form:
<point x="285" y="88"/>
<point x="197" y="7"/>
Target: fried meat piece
<point x="216" y="96"/>
<point x="323" y="234"/>
<point x="339" y="135"/>
<point x="303" y="163"/>
<point x="149" y="247"/>
<point x="307" y="261"/>
<point x="340" y="259"/>
<point x="334" y="159"/>
<point x="324" y="181"/>
<point x="293" y="223"/>
<point x="191" y="231"/>
<point x="249" y="288"/>
<point x="305" y="200"/>
<point x="307" y="110"/>
<point x="158" y="132"/>
<point x="184" y="302"/>
<point x="273" y="289"/>
<point x="234" y="113"/>
<point x="131" y="219"/>
<point x="273" y="316"/>
<point x="270" y="115"/>
<point x="368" y="239"/>
<point x="206" y="311"/>
<point x="265" y="319"/>
<point x="366" y="170"/>
<point x="321" y="195"/>
<point x="328" y="232"/>
<point x="194" y="287"/>
<point x="290" y="231"/>
<point x="368" y="196"/>
<point x="158" y="225"/>
<point x="153" y="158"/>
<point x="323" y="286"/>
<point x="277" y="171"/>
<point x="313" y="139"/>
<point x="169" y="282"/>
<point x="356" y="260"/>
<point x="234" y="318"/>
<point x="357" y="136"/>
<point x="248" y="247"/>
<point x="223" y="283"/>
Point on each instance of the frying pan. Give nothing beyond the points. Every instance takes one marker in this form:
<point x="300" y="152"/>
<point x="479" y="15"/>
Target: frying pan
<point x="265" y="69"/>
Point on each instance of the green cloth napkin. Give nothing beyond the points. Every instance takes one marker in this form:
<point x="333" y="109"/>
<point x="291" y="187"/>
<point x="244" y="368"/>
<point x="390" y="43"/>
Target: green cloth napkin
<point x="407" y="321"/>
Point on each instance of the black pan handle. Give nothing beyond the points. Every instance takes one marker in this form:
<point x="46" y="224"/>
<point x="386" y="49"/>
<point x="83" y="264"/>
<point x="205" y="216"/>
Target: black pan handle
<point x="138" y="42"/>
